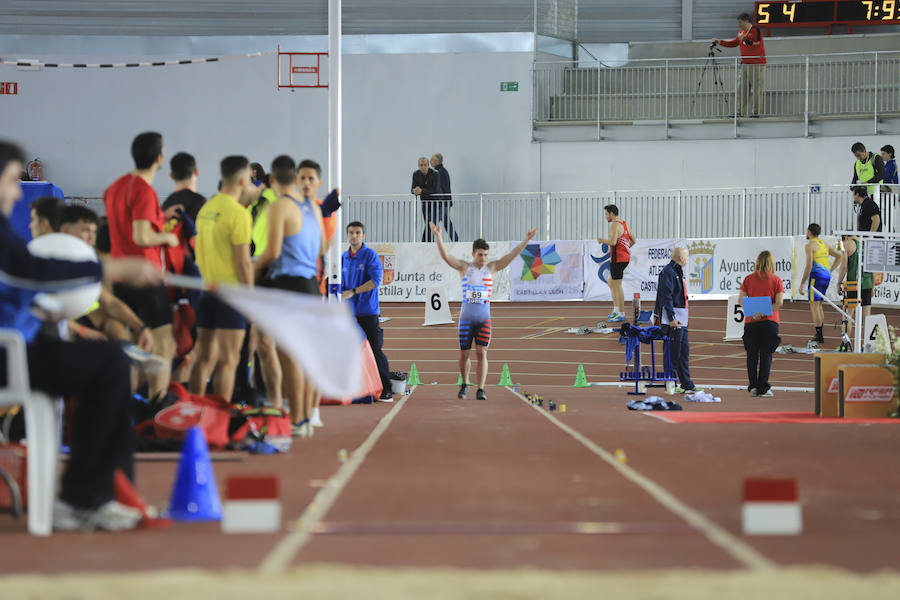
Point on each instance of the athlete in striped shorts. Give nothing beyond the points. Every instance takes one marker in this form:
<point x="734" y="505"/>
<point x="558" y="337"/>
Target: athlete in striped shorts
<point x="475" y="314"/>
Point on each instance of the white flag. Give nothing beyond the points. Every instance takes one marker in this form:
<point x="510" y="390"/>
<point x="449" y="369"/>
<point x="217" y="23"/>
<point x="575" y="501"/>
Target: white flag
<point x="321" y="337"/>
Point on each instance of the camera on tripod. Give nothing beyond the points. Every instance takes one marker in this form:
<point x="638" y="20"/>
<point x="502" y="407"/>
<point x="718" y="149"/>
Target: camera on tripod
<point x="714" y="47"/>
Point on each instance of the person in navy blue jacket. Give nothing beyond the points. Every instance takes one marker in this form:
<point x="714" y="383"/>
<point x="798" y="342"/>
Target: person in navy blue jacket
<point x="672" y="311"/>
<point x="97" y="372"/>
<point x="361" y="273"/>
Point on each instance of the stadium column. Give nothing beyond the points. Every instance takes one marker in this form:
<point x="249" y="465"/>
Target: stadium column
<point x="334" y="140"/>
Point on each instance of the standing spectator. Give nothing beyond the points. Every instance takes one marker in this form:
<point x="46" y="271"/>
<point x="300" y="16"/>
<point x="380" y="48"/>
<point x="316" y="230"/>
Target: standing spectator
<point x="425" y="184"/>
<point x="851" y="269"/>
<point x="442" y="212"/>
<point x="868" y="168"/>
<point x="223" y="255"/>
<point x="761" y="331"/>
<point x="672" y="309"/>
<point x="136" y="229"/>
<point x="868" y="214"/>
<point x="752" y="77"/>
<point x="95" y="371"/>
<point x="184" y="173"/>
<point x="361" y="272"/>
<point x="295" y="243"/>
<point x="890" y="164"/>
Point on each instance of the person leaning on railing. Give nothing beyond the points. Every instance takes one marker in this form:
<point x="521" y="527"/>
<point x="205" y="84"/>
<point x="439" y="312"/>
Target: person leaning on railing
<point x="868" y="168"/>
<point x="752" y="77"/>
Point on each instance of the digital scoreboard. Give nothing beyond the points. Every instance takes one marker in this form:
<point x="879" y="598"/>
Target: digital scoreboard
<point x="812" y="13"/>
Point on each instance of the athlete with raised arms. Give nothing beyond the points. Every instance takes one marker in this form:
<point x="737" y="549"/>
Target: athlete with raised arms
<point x="475" y="314"/>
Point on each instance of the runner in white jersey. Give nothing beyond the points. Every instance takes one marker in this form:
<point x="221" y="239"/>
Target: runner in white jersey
<point x="475" y="314"/>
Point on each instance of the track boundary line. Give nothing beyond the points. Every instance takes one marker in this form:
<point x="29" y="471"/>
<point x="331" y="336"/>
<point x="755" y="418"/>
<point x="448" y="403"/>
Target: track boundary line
<point x="743" y="553"/>
<point x="279" y="558"/>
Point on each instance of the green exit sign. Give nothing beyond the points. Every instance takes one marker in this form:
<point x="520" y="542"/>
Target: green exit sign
<point x="509" y="86"/>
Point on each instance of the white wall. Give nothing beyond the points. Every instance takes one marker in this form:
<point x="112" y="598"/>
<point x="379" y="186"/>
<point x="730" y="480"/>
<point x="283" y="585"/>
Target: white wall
<point x="397" y="107"/>
<point x="602" y="166"/>
<point x="80" y="122"/>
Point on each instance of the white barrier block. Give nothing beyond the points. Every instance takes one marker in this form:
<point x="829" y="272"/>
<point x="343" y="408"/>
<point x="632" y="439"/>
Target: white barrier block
<point x="772" y="518"/>
<point x="876" y="327"/>
<point x="734" y="319"/>
<point x="771" y="507"/>
<point x="437" y="311"/>
<point x="251" y="516"/>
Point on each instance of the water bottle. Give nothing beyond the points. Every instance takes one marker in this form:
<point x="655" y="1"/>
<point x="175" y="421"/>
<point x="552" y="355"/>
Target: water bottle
<point x="636" y="306"/>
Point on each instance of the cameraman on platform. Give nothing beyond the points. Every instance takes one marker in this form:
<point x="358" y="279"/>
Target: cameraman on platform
<point x="752" y="77"/>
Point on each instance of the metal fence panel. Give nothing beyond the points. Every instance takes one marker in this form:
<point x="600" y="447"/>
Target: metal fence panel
<point x="795" y="87"/>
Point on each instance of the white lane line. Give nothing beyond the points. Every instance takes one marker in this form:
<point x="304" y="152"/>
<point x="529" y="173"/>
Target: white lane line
<point x="737" y="549"/>
<point x="280" y="557"/>
<point x="649" y="413"/>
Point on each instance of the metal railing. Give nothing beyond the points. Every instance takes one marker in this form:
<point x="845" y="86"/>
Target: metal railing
<point x="799" y="87"/>
<point x="690" y="213"/>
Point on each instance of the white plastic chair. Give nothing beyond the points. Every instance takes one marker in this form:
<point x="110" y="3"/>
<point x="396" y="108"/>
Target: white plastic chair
<point x="41" y="427"/>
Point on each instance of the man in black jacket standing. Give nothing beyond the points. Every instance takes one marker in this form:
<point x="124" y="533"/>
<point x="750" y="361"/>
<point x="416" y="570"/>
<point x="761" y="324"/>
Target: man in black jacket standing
<point x="442" y="212"/>
<point x="425" y="184"/>
<point x="672" y="310"/>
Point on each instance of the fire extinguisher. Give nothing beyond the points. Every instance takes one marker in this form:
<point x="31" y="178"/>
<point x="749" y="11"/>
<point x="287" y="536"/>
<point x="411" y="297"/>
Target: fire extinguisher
<point x="36" y="170"/>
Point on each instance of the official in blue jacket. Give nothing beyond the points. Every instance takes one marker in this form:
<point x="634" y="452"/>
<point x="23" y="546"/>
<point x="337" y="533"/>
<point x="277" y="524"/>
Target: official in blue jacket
<point x="361" y="273"/>
<point x="96" y="372"/>
<point x="672" y="311"/>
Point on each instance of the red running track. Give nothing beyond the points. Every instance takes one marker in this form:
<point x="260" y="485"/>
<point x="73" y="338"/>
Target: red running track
<point x="503" y="484"/>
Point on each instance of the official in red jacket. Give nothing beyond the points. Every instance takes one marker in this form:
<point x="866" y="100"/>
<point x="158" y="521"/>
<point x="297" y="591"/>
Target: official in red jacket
<point x="752" y="77"/>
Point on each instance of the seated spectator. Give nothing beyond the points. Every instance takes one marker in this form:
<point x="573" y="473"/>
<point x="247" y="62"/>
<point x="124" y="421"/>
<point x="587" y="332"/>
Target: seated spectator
<point x="94" y="371"/>
<point x="45" y="213"/>
<point x="110" y="315"/>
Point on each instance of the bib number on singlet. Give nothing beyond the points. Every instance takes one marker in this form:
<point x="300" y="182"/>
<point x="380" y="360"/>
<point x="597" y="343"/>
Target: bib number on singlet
<point x="478" y="294"/>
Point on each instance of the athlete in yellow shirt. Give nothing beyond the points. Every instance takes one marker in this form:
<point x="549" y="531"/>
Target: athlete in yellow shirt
<point x="818" y="272"/>
<point x="222" y="248"/>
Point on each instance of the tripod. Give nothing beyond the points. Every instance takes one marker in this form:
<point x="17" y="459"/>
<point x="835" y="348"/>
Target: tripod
<point x="713" y="65"/>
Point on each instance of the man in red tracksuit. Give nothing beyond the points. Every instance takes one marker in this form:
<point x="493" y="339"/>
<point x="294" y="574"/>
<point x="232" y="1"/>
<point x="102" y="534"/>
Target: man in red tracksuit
<point x="752" y="77"/>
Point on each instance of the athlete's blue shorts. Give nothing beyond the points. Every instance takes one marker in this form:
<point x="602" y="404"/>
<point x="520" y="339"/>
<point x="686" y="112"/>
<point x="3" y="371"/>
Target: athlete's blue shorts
<point x="819" y="278"/>
<point x="479" y="332"/>
<point x="212" y="313"/>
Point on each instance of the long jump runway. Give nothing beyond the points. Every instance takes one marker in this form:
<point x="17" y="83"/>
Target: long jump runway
<point x="437" y="481"/>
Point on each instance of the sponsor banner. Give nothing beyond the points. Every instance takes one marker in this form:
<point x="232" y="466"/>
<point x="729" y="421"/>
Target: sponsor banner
<point x="888" y="293"/>
<point x="648" y="257"/>
<point x="719" y="265"/>
<point x="547" y="271"/>
<point x="870" y="393"/>
<point x="411" y="268"/>
<point x="800" y="266"/>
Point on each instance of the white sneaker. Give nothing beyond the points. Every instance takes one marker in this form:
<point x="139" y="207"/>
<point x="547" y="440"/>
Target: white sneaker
<point x="65" y="516"/>
<point x="316" y="420"/>
<point x="147" y="363"/>
<point x="112" y="516"/>
<point x="304" y="429"/>
<point x="768" y="394"/>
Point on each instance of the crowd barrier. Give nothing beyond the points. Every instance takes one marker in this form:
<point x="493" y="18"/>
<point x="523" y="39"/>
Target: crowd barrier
<point x="579" y="269"/>
<point x="669" y="213"/>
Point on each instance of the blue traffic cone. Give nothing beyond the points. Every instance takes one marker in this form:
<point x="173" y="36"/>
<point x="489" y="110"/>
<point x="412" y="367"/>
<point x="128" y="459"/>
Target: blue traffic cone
<point x="194" y="496"/>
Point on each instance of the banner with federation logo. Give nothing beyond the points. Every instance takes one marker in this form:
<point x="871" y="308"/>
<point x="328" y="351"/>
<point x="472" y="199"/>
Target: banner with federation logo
<point x="719" y="265"/>
<point x="547" y="271"/>
<point x="648" y="257"/>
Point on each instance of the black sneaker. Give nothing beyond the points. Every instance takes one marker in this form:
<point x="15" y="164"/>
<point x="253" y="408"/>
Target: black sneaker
<point x="463" y="390"/>
<point x="480" y="395"/>
<point x="386" y="397"/>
